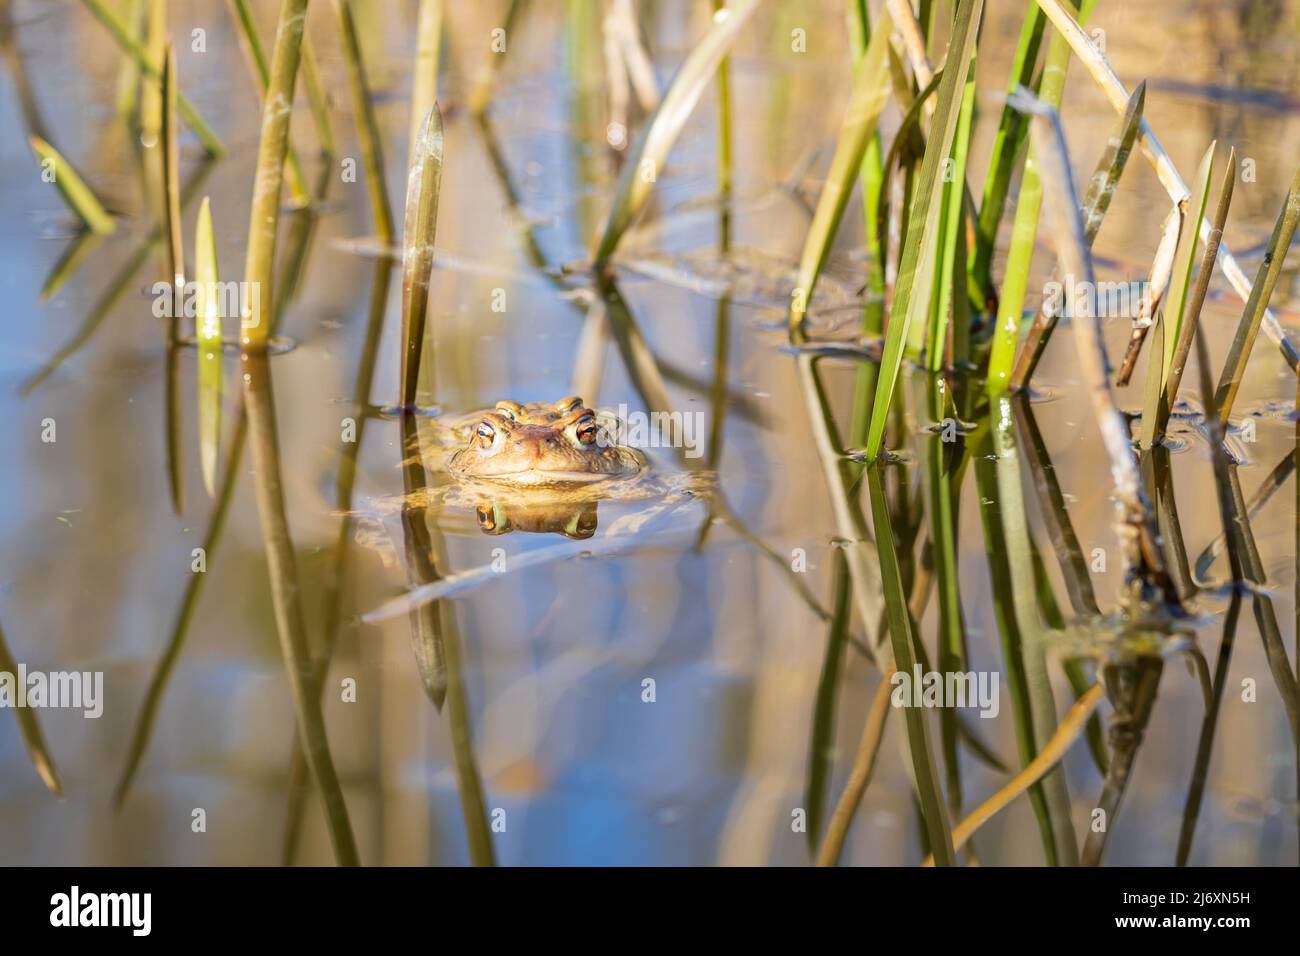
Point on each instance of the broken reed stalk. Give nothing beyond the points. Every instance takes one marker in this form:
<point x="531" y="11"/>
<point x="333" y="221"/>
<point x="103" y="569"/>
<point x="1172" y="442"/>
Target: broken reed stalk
<point x="1096" y="63"/>
<point x="1135" y="526"/>
<point x="264" y="218"/>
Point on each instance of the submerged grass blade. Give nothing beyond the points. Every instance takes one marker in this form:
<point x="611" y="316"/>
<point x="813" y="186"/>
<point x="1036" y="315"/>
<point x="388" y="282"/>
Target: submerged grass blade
<point x="917" y="261"/>
<point x="286" y="596"/>
<point x="1233" y="522"/>
<point x="295" y="257"/>
<point x="31" y="729"/>
<point x="646" y="160"/>
<point x="79" y="197"/>
<point x="933" y="811"/>
<point x="111" y="295"/>
<point x="207" y="326"/>
<point x="821" y="746"/>
<point x="1033" y="637"/>
<point x="870" y="93"/>
<point x="1066" y="733"/>
<point x="421" y="226"/>
<point x="859" y="550"/>
<point x="264" y="217"/>
<point x="864" y="763"/>
<point x="74" y="256"/>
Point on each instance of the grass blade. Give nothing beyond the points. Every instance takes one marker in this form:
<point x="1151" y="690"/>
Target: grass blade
<point x="30" y="728"/>
<point x="1279" y="243"/>
<point x="870" y="93"/>
<point x="1193" y="311"/>
<point x="481" y="96"/>
<point x="1155" y="411"/>
<point x="1011" y="303"/>
<point x="372" y="155"/>
<point x="923" y="225"/>
<point x="132" y="47"/>
<point x="207" y="324"/>
<point x="79" y="197"/>
<point x="111" y="295"/>
<point x="1007" y="142"/>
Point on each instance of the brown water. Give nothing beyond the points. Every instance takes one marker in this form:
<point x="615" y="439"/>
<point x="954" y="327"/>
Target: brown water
<point x="575" y="766"/>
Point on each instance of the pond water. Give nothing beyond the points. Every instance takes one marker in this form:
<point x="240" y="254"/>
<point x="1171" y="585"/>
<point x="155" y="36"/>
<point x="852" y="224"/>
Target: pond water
<point x="649" y="694"/>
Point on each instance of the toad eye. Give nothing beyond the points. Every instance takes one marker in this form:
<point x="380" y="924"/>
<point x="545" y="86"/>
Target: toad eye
<point x="485" y="433"/>
<point x="587" y="429"/>
<point x="566" y="405"/>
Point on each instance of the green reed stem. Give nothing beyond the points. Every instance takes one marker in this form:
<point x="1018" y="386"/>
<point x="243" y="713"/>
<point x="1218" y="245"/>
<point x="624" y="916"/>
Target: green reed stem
<point x="421" y="226"/>
<point x="424" y="75"/>
<point x="207" y="327"/>
<point x="1024" y="231"/>
<point x="133" y="48"/>
<point x="243" y="17"/>
<point x="265" y="215"/>
<point x="368" y="136"/>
